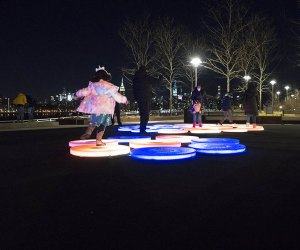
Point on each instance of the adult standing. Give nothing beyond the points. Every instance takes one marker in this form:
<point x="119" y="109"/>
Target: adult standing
<point x="250" y="103"/>
<point x="30" y="107"/>
<point x="142" y="91"/>
<point x="20" y="102"/>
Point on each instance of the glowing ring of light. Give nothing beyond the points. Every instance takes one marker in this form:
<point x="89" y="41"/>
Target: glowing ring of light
<point x="91" y="142"/>
<point x="94" y="151"/>
<point x="205" y="131"/>
<point x="165" y="126"/>
<point x="176" y="138"/>
<point x="153" y="143"/>
<point x="215" y="140"/>
<point x="163" y="153"/>
<point x="235" y="130"/>
<point x="172" y="131"/>
<point x="218" y="148"/>
<point x="258" y="128"/>
<point x="147" y="130"/>
<point x="127" y="139"/>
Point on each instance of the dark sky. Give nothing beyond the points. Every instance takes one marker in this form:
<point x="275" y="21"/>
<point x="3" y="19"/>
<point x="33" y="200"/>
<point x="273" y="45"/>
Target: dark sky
<point x="47" y="45"/>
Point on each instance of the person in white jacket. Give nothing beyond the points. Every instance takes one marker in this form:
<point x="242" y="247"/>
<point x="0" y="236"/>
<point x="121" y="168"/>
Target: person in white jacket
<point x="99" y="101"/>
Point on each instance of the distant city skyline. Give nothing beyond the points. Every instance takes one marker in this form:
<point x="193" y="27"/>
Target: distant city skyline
<point x="50" y="45"/>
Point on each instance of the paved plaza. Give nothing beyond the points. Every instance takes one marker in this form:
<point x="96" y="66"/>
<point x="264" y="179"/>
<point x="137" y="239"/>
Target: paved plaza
<point x="53" y="200"/>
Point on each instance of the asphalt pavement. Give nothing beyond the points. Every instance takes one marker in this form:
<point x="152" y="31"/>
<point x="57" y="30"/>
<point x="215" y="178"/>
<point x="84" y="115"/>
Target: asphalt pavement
<point x="53" y="200"/>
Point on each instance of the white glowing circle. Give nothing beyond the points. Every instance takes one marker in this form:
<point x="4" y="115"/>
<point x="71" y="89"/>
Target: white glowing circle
<point x="92" y="142"/>
<point x="205" y="131"/>
<point x="235" y="130"/>
<point x="172" y="131"/>
<point x="163" y="153"/>
<point x="153" y="143"/>
<point x="250" y="127"/>
<point x="218" y="148"/>
<point x="104" y="151"/>
<point x="175" y="138"/>
<point x="147" y="130"/>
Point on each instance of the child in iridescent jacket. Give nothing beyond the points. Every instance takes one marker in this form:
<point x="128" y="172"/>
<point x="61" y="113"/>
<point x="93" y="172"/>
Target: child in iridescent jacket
<point x="99" y="100"/>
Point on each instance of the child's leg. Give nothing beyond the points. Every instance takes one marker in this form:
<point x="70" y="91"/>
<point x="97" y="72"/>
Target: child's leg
<point x="88" y="133"/>
<point x="254" y="121"/>
<point x="194" y="119"/>
<point x="199" y="119"/>
<point x="248" y="120"/>
<point x="100" y="133"/>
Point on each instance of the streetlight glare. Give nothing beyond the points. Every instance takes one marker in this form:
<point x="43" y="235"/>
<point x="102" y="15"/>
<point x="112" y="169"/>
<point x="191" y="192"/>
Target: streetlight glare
<point x="278" y="92"/>
<point x="196" y="61"/>
<point x="273" y="82"/>
<point x="287" y="87"/>
<point x="247" y="78"/>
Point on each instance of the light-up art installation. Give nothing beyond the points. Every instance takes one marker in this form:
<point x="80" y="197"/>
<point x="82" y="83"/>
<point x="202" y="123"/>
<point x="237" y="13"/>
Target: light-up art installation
<point x="94" y="151"/>
<point x="205" y="131"/>
<point x="163" y="153"/>
<point x="215" y="140"/>
<point x="147" y="130"/>
<point x="176" y="138"/>
<point x="218" y="148"/>
<point x="127" y="139"/>
<point x="172" y="131"/>
<point x="235" y="130"/>
<point x="153" y="143"/>
<point x="92" y="142"/>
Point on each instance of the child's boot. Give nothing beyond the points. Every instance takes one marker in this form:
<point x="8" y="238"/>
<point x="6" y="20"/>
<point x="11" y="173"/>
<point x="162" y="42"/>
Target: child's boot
<point x="194" y="124"/>
<point x="200" y="124"/>
<point x="254" y="125"/>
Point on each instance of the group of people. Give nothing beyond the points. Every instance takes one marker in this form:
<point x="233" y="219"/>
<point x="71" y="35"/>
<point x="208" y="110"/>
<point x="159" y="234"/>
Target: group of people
<point x="101" y="100"/>
<point x="22" y="101"/>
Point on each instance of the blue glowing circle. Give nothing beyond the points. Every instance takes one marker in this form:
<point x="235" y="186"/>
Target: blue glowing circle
<point x="215" y="140"/>
<point x="124" y="138"/>
<point x="218" y="148"/>
<point x="128" y="128"/>
<point x="163" y="153"/>
<point x="147" y="130"/>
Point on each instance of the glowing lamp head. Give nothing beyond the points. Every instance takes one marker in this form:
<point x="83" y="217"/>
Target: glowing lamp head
<point x="273" y="82"/>
<point x="196" y="61"/>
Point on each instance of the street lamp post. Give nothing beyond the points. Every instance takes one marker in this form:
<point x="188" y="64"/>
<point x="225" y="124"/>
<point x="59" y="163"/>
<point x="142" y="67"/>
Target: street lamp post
<point x="273" y="82"/>
<point x="196" y="61"/>
<point x="287" y="92"/>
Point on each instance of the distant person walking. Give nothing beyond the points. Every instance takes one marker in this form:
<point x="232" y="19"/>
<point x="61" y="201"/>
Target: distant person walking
<point x="20" y="102"/>
<point x="226" y="108"/>
<point x="30" y="107"/>
<point x="99" y="100"/>
<point x="117" y="114"/>
<point x="142" y="91"/>
<point x="250" y="104"/>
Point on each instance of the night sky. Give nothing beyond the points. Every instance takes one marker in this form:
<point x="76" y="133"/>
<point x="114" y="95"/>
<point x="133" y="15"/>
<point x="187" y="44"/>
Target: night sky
<point x="48" y="45"/>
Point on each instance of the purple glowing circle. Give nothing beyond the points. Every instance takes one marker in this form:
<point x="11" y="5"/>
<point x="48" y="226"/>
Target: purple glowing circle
<point x="163" y="153"/>
<point x="218" y="148"/>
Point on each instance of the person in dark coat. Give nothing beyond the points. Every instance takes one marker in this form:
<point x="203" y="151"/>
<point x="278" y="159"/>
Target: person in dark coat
<point x="226" y="108"/>
<point x="250" y="103"/>
<point x="142" y="91"/>
<point x="30" y="107"/>
<point x="198" y="99"/>
<point x="117" y="114"/>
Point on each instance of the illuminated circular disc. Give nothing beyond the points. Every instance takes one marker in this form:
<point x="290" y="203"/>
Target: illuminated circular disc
<point x="147" y="130"/>
<point x="127" y="139"/>
<point x="205" y="131"/>
<point x="218" y="148"/>
<point x="128" y="128"/>
<point x="165" y="126"/>
<point x="215" y="140"/>
<point x="94" y="151"/>
<point x="172" y="131"/>
<point x="163" y="153"/>
<point x="153" y="143"/>
<point x="175" y="138"/>
<point x="258" y="128"/>
<point x="91" y="142"/>
<point x="235" y="130"/>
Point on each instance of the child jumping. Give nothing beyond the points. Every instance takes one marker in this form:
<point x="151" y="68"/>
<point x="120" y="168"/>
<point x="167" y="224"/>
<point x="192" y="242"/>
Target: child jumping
<point x="99" y="101"/>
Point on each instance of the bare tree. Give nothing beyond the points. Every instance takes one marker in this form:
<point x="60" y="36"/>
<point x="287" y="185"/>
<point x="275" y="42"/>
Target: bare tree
<point x="138" y="38"/>
<point x="225" y="26"/>
<point x="265" y="42"/>
<point x="169" y="48"/>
